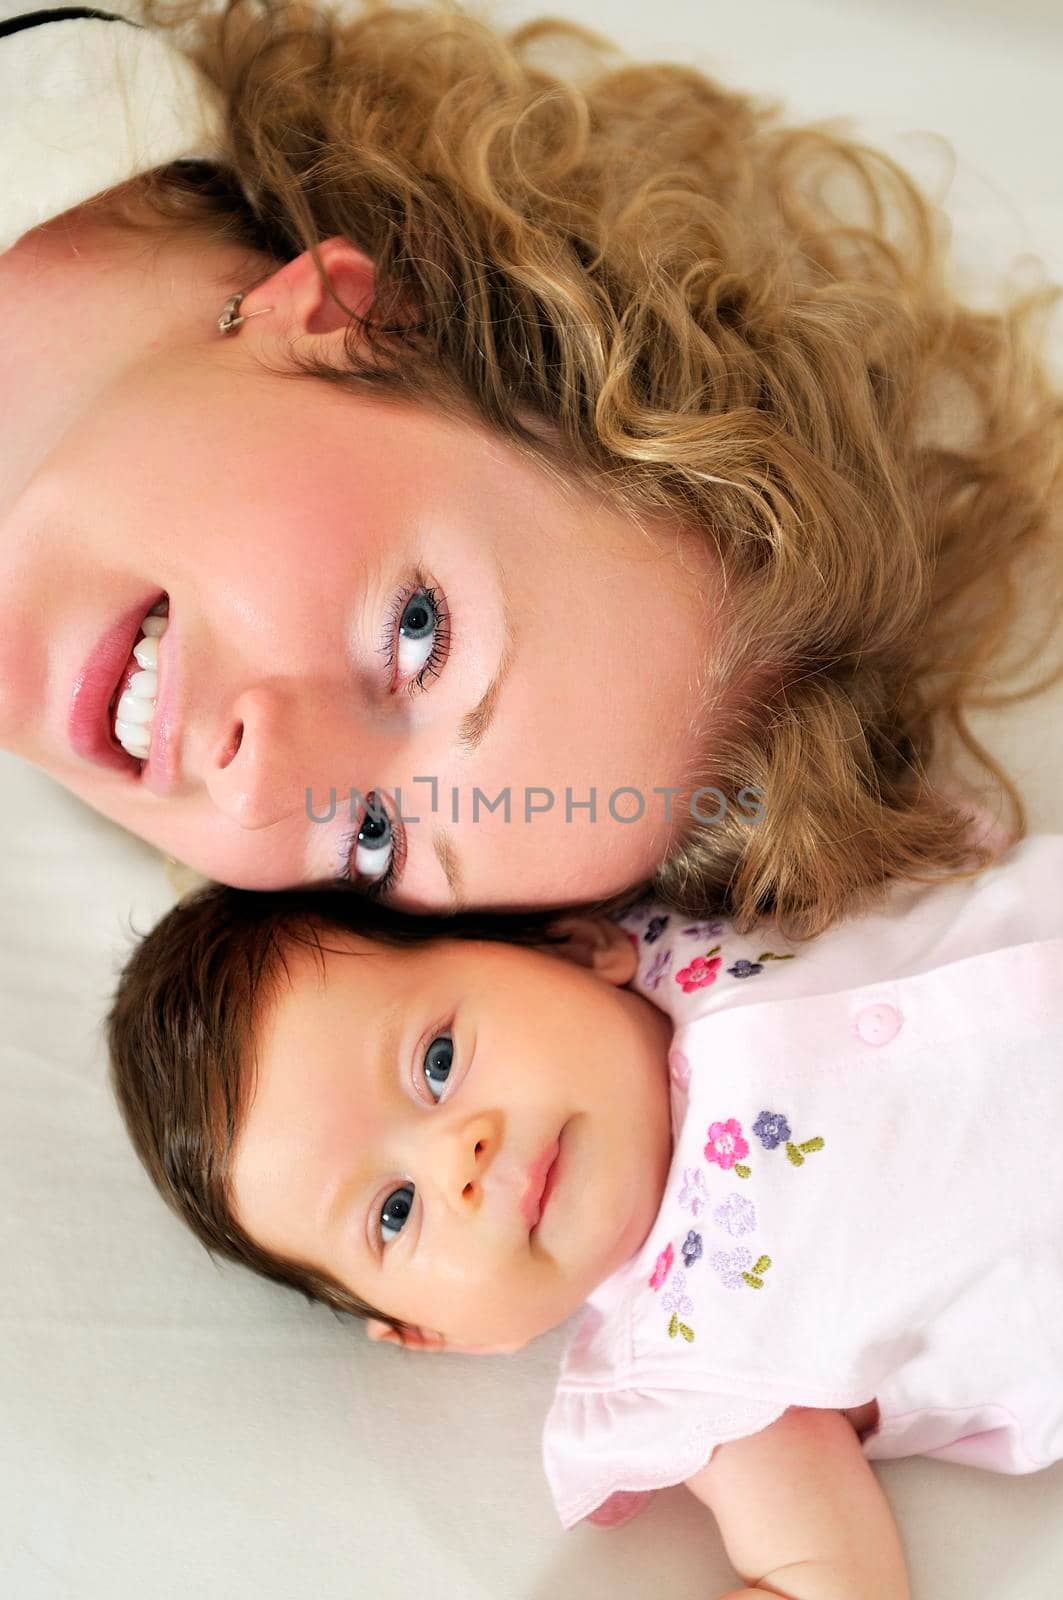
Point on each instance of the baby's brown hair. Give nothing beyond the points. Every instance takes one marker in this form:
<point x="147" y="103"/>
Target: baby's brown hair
<point x="180" y="1033"/>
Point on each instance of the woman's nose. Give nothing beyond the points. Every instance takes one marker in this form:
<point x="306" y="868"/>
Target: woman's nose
<point x="251" y="770"/>
<point x="289" y="750"/>
<point x="468" y="1150"/>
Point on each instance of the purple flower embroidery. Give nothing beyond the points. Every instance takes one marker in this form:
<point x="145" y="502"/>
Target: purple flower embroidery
<point x="658" y="969"/>
<point x="691" y="1249"/>
<point x="693" y="1194"/>
<point x="737" y="1214"/>
<point x="654" y="928"/>
<point x="676" y="1300"/>
<point x="771" y="1128"/>
<point x="730" y="1264"/>
<point x="703" y="930"/>
<point x="745" y="969"/>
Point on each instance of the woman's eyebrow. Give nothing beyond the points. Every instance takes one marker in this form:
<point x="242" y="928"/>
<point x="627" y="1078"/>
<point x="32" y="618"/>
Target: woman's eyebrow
<point x="472" y="729"/>
<point x="447" y="856"/>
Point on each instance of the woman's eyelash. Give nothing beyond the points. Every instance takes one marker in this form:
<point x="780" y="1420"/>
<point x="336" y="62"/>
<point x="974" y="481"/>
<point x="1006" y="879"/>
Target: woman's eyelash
<point x="378" y="888"/>
<point x="441" y="639"/>
<point x="369" y="888"/>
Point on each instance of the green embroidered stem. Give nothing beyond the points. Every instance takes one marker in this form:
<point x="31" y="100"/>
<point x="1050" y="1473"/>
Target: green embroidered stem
<point x="673" y="1326"/>
<point x="754" y="1283"/>
<point x="741" y="1172"/>
<point x="769" y="955"/>
<point x="796" y="1152"/>
<point x="688" y="1333"/>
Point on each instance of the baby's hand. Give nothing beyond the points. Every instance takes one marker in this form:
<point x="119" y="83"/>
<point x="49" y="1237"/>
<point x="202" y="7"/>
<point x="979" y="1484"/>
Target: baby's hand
<point x="801" y="1513"/>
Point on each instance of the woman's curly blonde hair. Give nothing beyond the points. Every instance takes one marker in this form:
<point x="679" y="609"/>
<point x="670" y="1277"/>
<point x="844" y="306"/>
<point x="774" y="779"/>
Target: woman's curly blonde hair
<point x="744" y="324"/>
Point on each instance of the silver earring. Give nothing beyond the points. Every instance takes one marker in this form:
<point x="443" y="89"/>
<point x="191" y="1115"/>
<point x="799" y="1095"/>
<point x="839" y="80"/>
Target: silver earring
<point x="230" y="320"/>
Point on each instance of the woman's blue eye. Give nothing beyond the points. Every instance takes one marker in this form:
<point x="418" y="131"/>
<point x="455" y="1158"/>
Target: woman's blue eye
<point x="421" y="624"/>
<point x="395" y="1212"/>
<point x="376" y="847"/>
<point x="417" y="633"/>
<point x="438" y="1060"/>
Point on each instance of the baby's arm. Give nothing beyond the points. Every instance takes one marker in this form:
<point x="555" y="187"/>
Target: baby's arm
<point x="801" y="1513"/>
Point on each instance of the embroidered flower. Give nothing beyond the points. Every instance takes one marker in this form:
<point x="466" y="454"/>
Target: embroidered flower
<point x="771" y="1128"/>
<point x="693" y="1194"/>
<point x="700" y="973"/>
<point x="654" y="928"/>
<point x="726" y="1144"/>
<point x="658" y="969"/>
<point x="730" y="1265"/>
<point x="663" y="1267"/>
<point x="703" y="930"/>
<point x="677" y="1300"/>
<point x="737" y="1214"/>
<point x="691" y="1249"/>
<point x="745" y="969"/>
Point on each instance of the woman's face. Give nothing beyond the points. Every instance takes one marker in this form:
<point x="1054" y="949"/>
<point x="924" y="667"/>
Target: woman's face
<point x="361" y="598"/>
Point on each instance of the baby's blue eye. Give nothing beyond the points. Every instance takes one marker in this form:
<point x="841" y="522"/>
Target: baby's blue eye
<point x="395" y="1212"/>
<point x="438" y="1059"/>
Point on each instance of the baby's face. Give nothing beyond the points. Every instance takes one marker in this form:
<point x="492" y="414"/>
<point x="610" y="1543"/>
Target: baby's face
<point x="409" y="1105"/>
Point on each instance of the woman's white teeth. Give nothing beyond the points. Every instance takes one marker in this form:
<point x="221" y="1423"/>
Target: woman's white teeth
<point x="135" y="712"/>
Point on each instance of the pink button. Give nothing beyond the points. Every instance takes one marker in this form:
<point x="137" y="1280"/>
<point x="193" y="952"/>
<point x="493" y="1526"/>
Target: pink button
<point x="878" y="1024"/>
<point x="680" y="1068"/>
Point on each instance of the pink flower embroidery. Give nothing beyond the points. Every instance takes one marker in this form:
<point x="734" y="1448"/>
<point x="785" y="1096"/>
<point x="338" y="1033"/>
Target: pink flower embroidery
<point x="663" y="1267"/>
<point x="726" y="1144"/>
<point x="700" y="973"/>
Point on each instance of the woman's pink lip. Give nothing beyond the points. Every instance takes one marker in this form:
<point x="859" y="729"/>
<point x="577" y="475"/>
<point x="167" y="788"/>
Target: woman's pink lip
<point x="540" y="1184"/>
<point x="88" y="724"/>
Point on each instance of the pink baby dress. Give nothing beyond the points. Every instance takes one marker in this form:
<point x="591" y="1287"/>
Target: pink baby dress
<point x="865" y="1199"/>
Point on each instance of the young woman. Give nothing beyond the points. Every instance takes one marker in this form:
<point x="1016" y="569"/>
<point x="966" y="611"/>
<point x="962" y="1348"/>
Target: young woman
<point x="496" y="486"/>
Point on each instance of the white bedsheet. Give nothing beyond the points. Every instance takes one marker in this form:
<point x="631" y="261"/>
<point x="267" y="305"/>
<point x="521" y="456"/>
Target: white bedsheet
<point x="169" y="1428"/>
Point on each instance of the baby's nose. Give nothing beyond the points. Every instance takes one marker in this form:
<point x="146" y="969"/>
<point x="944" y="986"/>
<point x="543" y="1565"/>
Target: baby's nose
<point x="469" y="1150"/>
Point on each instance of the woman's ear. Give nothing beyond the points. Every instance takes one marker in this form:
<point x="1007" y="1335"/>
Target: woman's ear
<point x="302" y="306"/>
<point x="601" y="945"/>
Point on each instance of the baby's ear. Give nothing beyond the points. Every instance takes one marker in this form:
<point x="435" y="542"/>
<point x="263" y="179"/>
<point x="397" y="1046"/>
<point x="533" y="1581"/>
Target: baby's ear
<point x="422" y="1339"/>
<point x="408" y="1338"/>
<point x="600" y="944"/>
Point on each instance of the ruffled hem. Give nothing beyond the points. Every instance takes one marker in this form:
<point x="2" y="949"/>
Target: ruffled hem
<point x="607" y="1455"/>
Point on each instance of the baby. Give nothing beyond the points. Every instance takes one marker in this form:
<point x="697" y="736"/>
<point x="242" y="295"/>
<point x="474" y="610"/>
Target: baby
<point x="807" y="1192"/>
